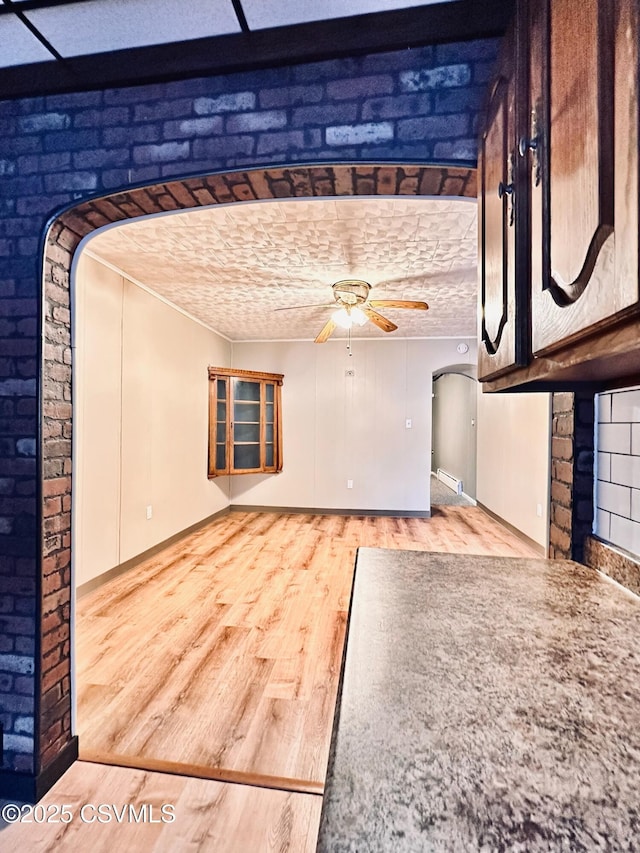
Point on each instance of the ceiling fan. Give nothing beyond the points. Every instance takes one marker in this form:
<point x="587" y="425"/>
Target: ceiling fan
<point x="354" y="306"/>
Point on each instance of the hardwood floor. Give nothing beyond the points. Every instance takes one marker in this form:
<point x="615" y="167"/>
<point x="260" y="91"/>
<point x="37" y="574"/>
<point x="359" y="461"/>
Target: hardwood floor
<point x="209" y="817"/>
<point x="218" y="659"/>
<point x="220" y="656"/>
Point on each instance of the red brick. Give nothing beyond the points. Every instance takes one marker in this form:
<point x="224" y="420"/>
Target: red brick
<point x="51" y="621"/>
<point x="51" y="660"/>
<point x="565" y="425"/>
<point x="52" y="583"/>
<point x="58" y="486"/>
<point x="52" y="429"/>
<point x="561" y="540"/>
<point x="52" y="506"/>
<point x="57" y="410"/>
<point x="561" y="448"/>
<point x="55" y="674"/>
<point x="57" y="524"/>
<point x="562" y="401"/>
<point x="53" y="601"/>
<point x="562" y="517"/>
<point x="52" y="697"/>
<point x="560" y="493"/>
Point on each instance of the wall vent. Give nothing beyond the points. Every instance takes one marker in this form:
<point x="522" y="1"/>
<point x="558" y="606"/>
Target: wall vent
<point x="452" y="482"/>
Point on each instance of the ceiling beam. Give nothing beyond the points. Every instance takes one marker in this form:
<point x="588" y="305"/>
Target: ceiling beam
<point x="352" y="36"/>
<point x="31" y="5"/>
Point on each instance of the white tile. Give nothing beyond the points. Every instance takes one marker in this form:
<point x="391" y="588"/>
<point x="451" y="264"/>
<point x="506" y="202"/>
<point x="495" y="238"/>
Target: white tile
<point x="614" y="438"/>
<point x="613" y="498"/>
<point x="635" y="504"/>
<point x="262" y="14"/>
<point x="604" y="467"/>
<point x="603" y="523"/>
<point x="625" y="470"/>
<point x="625" y="406"/>
<point x="604" y="408"/>
<point x="17" y="45"/>
<point x="625" y="534"/>
<point x="105" y="25"/>
<point x="635" y="439"/>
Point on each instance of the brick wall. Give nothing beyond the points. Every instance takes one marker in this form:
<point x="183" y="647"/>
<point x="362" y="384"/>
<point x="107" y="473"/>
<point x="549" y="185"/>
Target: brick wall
<point x="411" y="106"/>
<point x="572" y="440"/>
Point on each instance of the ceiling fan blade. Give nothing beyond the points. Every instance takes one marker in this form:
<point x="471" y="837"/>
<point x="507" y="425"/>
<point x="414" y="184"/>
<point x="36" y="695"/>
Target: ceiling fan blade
<point x="378" y="320"/>
<point x="317" y="305"/>
<point x="326" y="332"/>
<point x="398" y="303"/>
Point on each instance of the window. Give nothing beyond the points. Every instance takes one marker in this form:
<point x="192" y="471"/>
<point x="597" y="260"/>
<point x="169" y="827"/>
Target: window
<point x="245" y="425"/>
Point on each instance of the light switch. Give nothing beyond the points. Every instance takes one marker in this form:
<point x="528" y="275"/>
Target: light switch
<point x="408" y="423"/>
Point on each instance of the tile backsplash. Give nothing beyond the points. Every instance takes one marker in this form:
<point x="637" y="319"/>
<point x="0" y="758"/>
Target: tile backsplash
<point x="617" y="479"/>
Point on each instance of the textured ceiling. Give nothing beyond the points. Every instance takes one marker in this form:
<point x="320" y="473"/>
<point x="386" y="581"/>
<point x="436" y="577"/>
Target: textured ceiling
<point x="233" y="267"/>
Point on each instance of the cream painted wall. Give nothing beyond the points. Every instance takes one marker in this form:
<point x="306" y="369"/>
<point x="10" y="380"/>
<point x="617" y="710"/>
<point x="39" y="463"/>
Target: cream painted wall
<point x="513" y="459"/>
<point x="140" y="420"/>
<point x="337" y="428"/>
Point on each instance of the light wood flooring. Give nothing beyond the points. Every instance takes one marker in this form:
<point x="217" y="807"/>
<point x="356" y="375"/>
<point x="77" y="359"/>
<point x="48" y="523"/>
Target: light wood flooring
<point x="219" y="658"/>
<point x="212" y="817"/>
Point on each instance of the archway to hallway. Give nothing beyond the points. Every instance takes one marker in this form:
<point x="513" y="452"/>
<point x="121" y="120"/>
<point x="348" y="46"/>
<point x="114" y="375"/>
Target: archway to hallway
<point x="64" y="237"/>
<point x="454" y="436"/>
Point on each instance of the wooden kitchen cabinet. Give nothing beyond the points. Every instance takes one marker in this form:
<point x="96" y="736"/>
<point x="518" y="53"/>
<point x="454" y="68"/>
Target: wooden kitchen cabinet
<point x="573" y="282"/>
<point x="501" y="336"/>
<point x="577" y="144"/>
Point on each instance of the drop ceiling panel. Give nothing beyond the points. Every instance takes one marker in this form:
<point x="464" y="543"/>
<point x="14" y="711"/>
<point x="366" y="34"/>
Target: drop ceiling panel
<point x="106" y="25"/>
<point x="262" y="14"/>
<point x="17" y="45"/>
<point x="235" y="268"/>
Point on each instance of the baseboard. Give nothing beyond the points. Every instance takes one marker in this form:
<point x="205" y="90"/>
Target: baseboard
<point x="309" y="510"/>
<point x="522" y="536"/>
<point x="29" y="788"/>
<point x="94" y="583"/>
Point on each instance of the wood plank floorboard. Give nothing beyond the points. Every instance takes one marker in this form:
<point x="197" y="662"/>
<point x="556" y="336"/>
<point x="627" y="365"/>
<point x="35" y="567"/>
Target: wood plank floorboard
<point x="209" y="816"/>
<point x="223" y="651"/>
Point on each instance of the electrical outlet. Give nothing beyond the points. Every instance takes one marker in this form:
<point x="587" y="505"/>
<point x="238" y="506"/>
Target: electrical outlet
<point x="349" y="484"/>
<point x="539" y="510"/>
<point x="149" y="512"/>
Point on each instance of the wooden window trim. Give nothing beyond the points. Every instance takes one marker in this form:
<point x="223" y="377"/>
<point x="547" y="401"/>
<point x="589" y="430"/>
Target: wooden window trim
<point x="246" y="374"/>
<point x="264" y="379"/>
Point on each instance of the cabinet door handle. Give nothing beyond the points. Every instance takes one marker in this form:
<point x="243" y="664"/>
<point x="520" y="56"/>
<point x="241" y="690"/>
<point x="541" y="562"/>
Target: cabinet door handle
<point x="525" y="145"/>
<point x="533" y="143"/>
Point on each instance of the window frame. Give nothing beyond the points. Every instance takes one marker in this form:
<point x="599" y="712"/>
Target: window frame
<point x="230" y="376"/>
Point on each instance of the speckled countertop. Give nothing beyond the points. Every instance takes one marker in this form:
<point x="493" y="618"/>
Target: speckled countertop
<point x="486" y="704"/>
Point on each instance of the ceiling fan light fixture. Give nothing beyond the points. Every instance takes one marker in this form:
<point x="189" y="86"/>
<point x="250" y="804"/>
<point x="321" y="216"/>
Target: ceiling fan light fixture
<point x="358" y="316"/>
<point x="342" y="318"/>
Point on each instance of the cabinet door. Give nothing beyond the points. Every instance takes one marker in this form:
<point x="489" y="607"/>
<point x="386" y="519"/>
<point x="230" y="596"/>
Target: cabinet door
<point x="246" y="427"/>
<point x="498" y="215"/>
<point x="219" y="425"/>
<point x="569" y="148"/>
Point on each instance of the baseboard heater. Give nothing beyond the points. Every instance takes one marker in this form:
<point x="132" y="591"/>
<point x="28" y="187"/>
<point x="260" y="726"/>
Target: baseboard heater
<point x="452" y="482"/>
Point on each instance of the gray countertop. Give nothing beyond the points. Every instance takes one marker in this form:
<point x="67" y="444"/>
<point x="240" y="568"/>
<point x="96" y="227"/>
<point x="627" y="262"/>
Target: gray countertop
<point x="486" y="704"/>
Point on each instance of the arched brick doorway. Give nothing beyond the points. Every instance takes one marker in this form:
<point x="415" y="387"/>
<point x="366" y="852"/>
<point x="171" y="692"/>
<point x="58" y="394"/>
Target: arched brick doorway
<point x="55" y="745"/>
